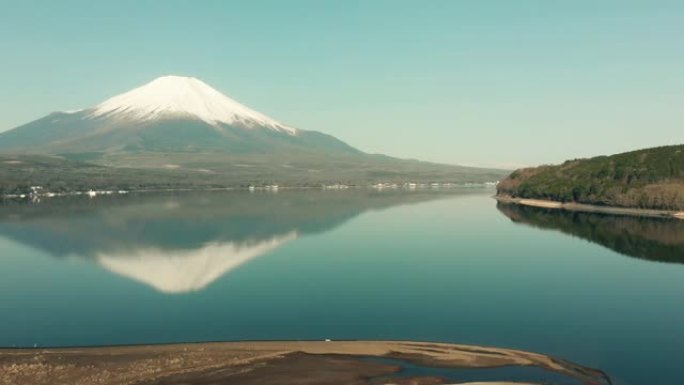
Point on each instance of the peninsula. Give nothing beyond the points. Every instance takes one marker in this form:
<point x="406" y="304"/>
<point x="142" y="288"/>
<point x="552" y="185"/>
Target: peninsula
<point x="286" y="362"/>
<point x="645" y="182"/>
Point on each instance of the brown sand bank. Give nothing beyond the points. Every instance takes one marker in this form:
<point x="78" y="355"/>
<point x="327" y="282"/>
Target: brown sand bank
<point x="571" y="206"/>
<point x="283" y="363"/>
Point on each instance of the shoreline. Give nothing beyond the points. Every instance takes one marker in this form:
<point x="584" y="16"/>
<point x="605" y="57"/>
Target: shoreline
<point x="587" y="208"/>
<point x="282" y="362"/>
<point x="252" y="189"/>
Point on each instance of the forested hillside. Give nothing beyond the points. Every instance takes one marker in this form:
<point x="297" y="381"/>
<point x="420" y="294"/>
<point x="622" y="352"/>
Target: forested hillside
<point x="217" y="170"/>
<point x="650" y="178"/>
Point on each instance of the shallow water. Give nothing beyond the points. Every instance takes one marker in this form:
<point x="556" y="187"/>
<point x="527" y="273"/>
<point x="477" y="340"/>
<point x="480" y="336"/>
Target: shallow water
<point x="448" y="266"/>
<point x="526" y="374"/>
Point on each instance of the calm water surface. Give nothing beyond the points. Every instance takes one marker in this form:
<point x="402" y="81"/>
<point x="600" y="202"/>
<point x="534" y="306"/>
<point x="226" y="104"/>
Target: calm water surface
<point x="603" y="291"/>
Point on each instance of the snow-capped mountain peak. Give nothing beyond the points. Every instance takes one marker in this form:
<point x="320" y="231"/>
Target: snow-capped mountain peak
<point x="170" y="96"/>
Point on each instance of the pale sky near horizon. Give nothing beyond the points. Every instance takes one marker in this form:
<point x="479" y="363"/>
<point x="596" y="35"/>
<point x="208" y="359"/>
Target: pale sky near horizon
<point x="490" y="83"/>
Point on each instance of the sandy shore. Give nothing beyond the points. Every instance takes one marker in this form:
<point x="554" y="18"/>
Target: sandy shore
<point x="283" y="363"/>
<point x="590" y="208"/>
<point x="495" y="383"/>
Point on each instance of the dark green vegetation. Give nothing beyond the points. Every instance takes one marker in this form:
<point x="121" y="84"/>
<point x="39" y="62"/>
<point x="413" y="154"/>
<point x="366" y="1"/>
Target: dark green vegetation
<point x="80" y="153"/>
<point x="651" y="178"/>
<point x="655" y="239"/>
<point x="145" y="171"/>
<point x="19" y="172"/>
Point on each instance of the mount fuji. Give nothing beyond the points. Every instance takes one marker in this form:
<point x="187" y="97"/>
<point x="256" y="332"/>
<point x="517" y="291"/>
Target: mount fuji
<point x="170" y="113"/>
<point x="178" y="131"/>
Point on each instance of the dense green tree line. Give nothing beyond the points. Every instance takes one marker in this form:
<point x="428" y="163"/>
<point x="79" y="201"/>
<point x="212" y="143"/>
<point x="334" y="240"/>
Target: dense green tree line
<point x="650" y="178"/>
<point x="204" y="171"/>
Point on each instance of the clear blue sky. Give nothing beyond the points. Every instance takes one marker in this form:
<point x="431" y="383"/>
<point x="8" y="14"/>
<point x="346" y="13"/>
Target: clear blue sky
<point x="472" y="82"/>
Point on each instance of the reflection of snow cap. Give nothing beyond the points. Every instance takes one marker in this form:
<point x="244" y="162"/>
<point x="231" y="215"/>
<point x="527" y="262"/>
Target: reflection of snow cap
<point x="181" y="271"/>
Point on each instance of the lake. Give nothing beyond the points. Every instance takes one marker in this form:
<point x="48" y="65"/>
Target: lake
<point x="449" y="265"/>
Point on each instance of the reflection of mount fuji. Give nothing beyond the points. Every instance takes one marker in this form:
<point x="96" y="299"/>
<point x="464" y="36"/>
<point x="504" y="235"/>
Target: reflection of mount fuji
<point x="655" y="239"/>
<point x="183" y="242"/>
<point x="179" y="271"/>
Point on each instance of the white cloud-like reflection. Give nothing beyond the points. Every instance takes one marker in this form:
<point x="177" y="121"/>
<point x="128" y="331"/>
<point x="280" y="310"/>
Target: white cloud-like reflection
<point x="183" y="271"/>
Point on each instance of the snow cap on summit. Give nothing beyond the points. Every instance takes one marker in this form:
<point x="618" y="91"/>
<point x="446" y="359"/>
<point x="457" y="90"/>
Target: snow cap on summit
<point x="178" y="95"/>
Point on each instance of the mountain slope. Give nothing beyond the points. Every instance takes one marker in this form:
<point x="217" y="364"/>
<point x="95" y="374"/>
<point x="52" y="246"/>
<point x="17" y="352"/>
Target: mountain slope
<point x="77" y="133"/>
<point x="651" y="178"/>
<point x="204" y="171"/>
<point x="170" y="114"/>
<point x="179" y="125"/>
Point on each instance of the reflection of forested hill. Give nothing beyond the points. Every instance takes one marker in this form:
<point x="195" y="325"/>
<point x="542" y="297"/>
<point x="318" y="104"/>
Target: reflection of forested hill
<point x="63" y="226"/>
<point x="656" y="239"/>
